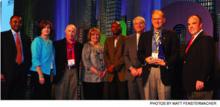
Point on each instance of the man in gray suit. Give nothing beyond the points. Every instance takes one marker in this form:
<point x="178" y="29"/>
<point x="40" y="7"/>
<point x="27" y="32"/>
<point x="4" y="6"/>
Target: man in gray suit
<point x="134" y="71"/>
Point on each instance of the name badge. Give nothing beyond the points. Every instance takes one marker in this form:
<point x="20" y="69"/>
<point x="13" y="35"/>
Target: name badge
<point x="71" y="62"/>
<point x="154" y="55"/>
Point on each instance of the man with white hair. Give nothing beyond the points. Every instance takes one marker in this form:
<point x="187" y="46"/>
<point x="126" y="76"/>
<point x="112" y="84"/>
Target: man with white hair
<point x="133" y="68"/>
<point x="67" y="57"/>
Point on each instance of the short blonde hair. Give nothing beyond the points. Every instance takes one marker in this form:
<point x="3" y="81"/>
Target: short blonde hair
<point x="138" y="18"/>
<point x="70" y="25"/>
<point x="94" y="29"/>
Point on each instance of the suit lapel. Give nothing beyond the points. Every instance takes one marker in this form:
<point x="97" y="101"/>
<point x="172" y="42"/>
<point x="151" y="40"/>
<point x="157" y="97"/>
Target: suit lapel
<point x="164" y="37"/>
<point x="112" y="44"/>
<point x="150" y="40"/>
<point x="24" y="43"/>
<point x="11" y="39"/>
<point x="76" y="51"/>
<point x="118" y="44"/>
<point x="64" y="48"/>
<point x="134" y="41"/>
<point x="22" y="39"/>
<point x="194" y="43"/>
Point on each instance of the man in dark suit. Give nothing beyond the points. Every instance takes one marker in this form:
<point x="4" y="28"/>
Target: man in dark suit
<point x="67" y="57"/>
<point x="198" y="62"/>
<point x="158" y="52"/>
<point x="217" y="79"/>
<point x="133" y="70"/>
<point x="15" y="60"/>
<point x="114" y="60"/>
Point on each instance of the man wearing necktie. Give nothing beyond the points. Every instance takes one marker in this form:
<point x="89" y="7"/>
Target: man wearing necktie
<point x="15" y="60"/>
<point x="158" y="51"/>
<point x="198" y="62"/>
<point x="68" y="57"/>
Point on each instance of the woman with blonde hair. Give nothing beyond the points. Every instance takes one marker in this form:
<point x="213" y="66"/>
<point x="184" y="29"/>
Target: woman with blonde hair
<point x="93" y="60"/>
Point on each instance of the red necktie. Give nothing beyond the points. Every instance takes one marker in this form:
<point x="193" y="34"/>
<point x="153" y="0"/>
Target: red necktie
<point x="19" y="50"/>
<point x="190" y="43"/>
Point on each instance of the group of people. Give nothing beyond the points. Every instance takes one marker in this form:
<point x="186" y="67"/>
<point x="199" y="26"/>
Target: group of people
<point x="139" y="66"/>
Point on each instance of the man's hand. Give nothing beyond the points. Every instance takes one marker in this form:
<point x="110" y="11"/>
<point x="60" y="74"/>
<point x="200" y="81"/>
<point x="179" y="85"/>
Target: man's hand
<point x="199" y="85"/>
<point x="139" y="70"/>
<point x="41" y="80"/>
<point x="93" y="70"/>
<point x="160" y="62"/>
<point x="150" y="60"/>
<point x="2" y="77"/>
<point x="110" y="68"/>
<point x="40" y="75"/>
<point x="133" y="71"/>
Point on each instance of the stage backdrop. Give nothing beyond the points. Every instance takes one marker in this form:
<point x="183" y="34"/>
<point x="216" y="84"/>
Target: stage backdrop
<point x="178" y="12"/>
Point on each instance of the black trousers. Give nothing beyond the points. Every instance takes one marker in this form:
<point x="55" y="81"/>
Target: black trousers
<point x="200" y="95"/>
<point x="217" y="94"/>
<point x="40" y="91"/>
<point x="15" y="84"/>
<point x="116" y="90"/>
<point x="93" y="91"/>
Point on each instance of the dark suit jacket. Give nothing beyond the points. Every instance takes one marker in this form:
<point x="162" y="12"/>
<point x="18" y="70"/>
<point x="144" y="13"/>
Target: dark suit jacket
<point x="170" y="44"/>
<point x="61" y="57"/>
<point x="198" y="63"/>
<point x="114" y="56"/>
<point x="9" y="53"/>
<point x="130" y="55"/>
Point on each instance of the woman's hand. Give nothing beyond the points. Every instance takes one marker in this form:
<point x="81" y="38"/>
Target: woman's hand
<point x="102" y="73"/>
<point x="40" y="75"/>
<point x="41" y="80"/>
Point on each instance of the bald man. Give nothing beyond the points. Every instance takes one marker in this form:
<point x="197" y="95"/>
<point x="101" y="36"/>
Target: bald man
<point x="116" y="84"/>
<point x="158" y="52"/>
<point x="67" y="57"/>
<point x="16" y="60"/>
<point x="198" y="61"/>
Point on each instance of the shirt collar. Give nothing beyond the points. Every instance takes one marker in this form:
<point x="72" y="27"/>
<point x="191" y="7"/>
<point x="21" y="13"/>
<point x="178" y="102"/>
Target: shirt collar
<point x="14" y="33"/>
<point x="160" y="31"/>
<point x="197" y="34"/>
<point x="138" y="34"/>
<point x="71" y="45"/>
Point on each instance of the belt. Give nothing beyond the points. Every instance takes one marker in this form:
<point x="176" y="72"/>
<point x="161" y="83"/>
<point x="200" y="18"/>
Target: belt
<point x="155" y="66"/>
<point x="71" y="67"/>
